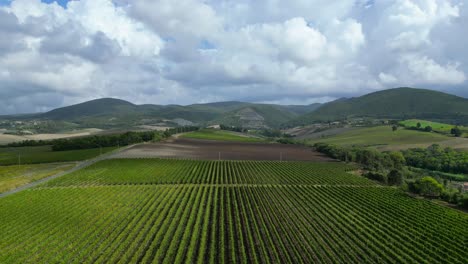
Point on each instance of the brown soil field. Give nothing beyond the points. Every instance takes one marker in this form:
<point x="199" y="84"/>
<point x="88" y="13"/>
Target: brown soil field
<point x="183" y="148"/>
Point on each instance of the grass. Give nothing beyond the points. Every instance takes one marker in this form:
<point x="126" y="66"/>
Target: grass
<point x="44" y="154"/>
<point x="274" y="212"/>
<point x="222" y="135"/>
<point x="439" y="127"/>
<point x="381" y="136"/>
<point x="12" y="177"/>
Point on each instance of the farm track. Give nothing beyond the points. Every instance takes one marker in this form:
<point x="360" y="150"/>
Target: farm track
<point x="81" y="165"/>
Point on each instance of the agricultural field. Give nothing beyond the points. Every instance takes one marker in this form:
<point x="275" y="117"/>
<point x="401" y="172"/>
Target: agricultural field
<point x="12" y="177"/>
<point x="160" y="171"/>
<point x="44" y="154"/>
<point x="186" y="148"/>
<point x="170" y="211"/>
<point x="382" y="137"/>
<point x="222" y="135"/>
<point x="439" y="127"/>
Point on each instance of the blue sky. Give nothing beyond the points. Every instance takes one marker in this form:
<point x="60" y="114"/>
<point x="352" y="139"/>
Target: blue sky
<point x="60" y="2"/>
<point x="195" y="51"/>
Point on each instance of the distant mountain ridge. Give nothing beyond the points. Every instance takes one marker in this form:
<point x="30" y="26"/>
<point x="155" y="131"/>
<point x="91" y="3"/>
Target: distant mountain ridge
<point x="398" y="103"/>
<point x="110" y="112"/>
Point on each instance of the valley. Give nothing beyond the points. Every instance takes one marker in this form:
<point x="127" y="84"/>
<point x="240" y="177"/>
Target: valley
<point x="233" y="182"/>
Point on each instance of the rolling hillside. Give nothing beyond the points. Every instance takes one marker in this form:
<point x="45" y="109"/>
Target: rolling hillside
<point x="399" y="103"/>
<point x="257" y="116"/>
<point x="99" y="107"/>
<point x="116" y="113"/>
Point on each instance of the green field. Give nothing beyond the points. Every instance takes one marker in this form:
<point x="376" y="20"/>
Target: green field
<point x="439" y="127"/>
<point x="222" y="135"/>
<point x="12" y="177"/>
<point x="382" y="136"/>
<point x="170" y="211"/>
<point x="156" y="171"/>
<point x="44" y="154"/>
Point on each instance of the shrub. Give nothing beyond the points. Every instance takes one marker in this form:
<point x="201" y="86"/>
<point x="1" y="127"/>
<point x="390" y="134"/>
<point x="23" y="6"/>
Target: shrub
<point x="429" y="187"/>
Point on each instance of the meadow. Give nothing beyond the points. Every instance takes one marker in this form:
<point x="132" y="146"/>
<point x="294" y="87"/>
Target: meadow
<point x="222" y="135"/>
<point x="171" y="211"/>
<point x="439" y="127"/>
<point x="381" y="136"/>
<point x="14" y="176"/>
<point x="44" y="154"/>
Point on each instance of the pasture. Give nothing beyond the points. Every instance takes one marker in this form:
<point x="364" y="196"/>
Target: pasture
<point x="439" y="127"/>
<point x="171" y="211"/>
<point x="382" y="137"/>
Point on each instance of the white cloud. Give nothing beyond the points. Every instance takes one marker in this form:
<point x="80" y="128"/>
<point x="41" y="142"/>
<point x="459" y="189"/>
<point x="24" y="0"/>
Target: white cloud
<point x="134" y="37"/>
<point x="387" y="78"/>
<point x="187" y="51"/>
<point x="426" y="70"/>
<point x="178" y="18"/>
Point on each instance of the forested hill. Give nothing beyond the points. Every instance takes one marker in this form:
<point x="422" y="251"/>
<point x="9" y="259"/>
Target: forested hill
<point x="398" y="103"/>
<point x="109" y="112"/>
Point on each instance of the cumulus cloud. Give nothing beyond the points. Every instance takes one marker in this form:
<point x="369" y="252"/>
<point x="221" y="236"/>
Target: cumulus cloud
<point x="426" y="70"/>
<point x="190" y="51"/>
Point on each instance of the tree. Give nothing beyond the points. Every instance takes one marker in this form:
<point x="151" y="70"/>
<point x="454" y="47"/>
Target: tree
<point x="428" y="129"/>
<point x="463" y="203"/>
<point x="394" y="128"/>
<point x="398" y="160"/>
<point x="429" y="187"/>
<point x="395" y="177"/>
<point x="418" y="125"/>
<point x="456" y="131"/>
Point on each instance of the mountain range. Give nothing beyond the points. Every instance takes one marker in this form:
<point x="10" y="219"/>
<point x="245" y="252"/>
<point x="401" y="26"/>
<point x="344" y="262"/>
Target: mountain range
<point x="398" y="103"/>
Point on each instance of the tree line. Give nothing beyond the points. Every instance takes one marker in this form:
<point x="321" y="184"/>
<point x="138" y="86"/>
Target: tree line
<point x="391" y="168"/>
<point x="110" y="140"/>
<point x="438" y="159"/>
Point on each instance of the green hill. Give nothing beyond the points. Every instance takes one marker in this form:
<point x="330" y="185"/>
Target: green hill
<point x="399" y="103"/>
<point x="116" y="113"/>
<point x="98" y="107"/>
<point x="257" y="116"/>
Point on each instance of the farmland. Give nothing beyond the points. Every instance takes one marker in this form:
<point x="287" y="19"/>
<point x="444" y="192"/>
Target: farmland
<point x="213" y="134"/>
<point x="12" y="177"/>
<point x="186" y="148"/>
<point x="174" y="211"/>
<point x="439" y="127"/>
<point x="44" y="154"/>
<point x="155" y="171"/>
<point x="382" y="137"/>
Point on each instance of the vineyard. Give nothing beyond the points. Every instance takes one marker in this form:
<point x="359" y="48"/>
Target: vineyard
<point x="170" y="211"/>
<point x="159" y="171"/>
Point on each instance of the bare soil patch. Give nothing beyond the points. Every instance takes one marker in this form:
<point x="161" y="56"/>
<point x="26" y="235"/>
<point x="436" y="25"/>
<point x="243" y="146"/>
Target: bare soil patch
<point x="5" y="139"/>
<point x="184" y="148"/>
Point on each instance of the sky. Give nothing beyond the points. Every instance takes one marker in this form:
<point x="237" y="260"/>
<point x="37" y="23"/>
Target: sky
<point x="54" y="54"/>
